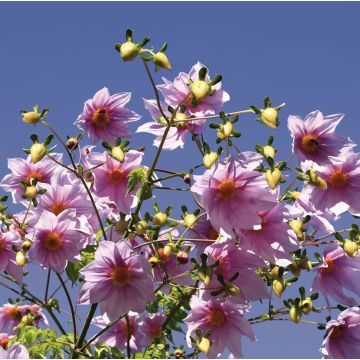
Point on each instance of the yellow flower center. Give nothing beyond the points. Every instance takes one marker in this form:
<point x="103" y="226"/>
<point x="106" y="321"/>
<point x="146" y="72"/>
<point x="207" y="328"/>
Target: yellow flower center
<point x="100" y="118"/>
<point x="216" y="317"/>
<point x="34" y="175"/>
<point x="14" y="313"/>
<point x="120" y="275"/>
<point x="337" y="179"/>
<point x="330" y="266"/>
<point x="227" y="189"/>
<point x="57" y="208"/>
<point x="117" y="176"/>
<point x="310" y="143"/>
<point x="52" y="241"/>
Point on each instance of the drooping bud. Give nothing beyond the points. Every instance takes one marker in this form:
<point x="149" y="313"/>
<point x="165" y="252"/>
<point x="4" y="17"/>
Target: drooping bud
<point x="37" y="151"/>
<point x="72" y="143"/>
<point x="295" y="314"/>
<point x="278" y="287"/>
<point x="160" y="219"/>
<point x="161" y="60"/>
<point x="297" y="226"/>
<point x="351" y="248"/>
<point x="273" y="178"/>
<point x="20" y="258"/>
<point x="269" y="151"/>
<point x="26" y="244"/>
<point x="187" y="179"/>
<point x="200" y="89"/>
<point x="316" y="180"/>
<point x="210" y="159"/>
<point x="30" y="192"/>
<point x="190" y="221"/>
<point x="182" y="257"/>
<point x="204" y="345"/>
<point x="141" y="227"/>
<point x="307" y="309"/>
<point x="270" y="117"/>
<point x="129" y="51"/>
<point x="118" y="154"/>
<point x="31" y="117"/>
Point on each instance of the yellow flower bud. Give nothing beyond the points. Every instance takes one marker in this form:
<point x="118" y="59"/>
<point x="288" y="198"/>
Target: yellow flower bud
<point x="31" y="192"/>
<point x="351" y="248"/>
<point x="72" y="143"/>
<point x="316" y="180"/>
<point x="160" y="219"/>
<point x="129" y="51"/>
<point x="121" y="226"/>
<point x="210" y="159"/>
<point x="295" y="194"/>
<point x="269" y="151"/>
<point x="20" y="258"/>
<point x="305" y="264"/>
<point x="306" y="310"/>
<point x="297" y="226"/>
<point x="269" y="117"/>
<point x="31" y="117"/>
<point x="294" y="269"/>
<point x="168" y="250"/>
<point x="118" y="154"/>
<point x="227" y="129"/>
<point x="190" y="220"/>
<point x="26" y="244"/>
<point x="178" y="353"/>
<point x="37" y="151"/>
<point x="233" y="289"/>
<point x="273" y="178"/>
<point x="295" y="314"/>
<point x="204" y="345"/>
<point x="205" y="275"/>
<point x="200" y="89"/>
<point x="275" y="272"/>
<point x="141" y="227"/>
<point x="27" y="319"/>
<point x="278" y="287"/>
<point x="161" y="60"/>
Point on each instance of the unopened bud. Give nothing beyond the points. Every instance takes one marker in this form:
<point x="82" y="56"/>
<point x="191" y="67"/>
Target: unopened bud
<point x="27" y="319"/>
<point x="232" y="289"/>
<point x="182" y="257"/>
<point x="72" y="143"/>
<point x="305" y="264"/>
<point x="168" y="249"/>
<point x="31" y="117"/>
<point x="269" y="117"/>
<point x="187" y="179"/>
<point x="190" y="220"/>
<point x="295" y="314"/>
<point x="20" y="258"/>
<point x="178" y="353"/>
<point x="161" y="60"/>
<point x="297" y="226"/>
<point x="273" y="178"/>
<point x="295" y="194"/>
<point x="294" y="269"/>
<point x="121" y="227"/>
<point x="210" y="159"/>
<point x="269" y="151"/>
<point x="275" y="272"/>
<point x="31" y="192"/>
<point x="200" y="89"/>
<point x="129" y="51"/>
<point x="141" y="227"/>
<point x="278" y="287"/>
<point x="118" y="154"/>
<point x="316" y="180"/>
<point x="205" y="275"/>
<point x="154" y="261"/>
<point x="26" y="244"/>
<point x="306" y="310"/>
<point x="160" y="219"/>
<point x="351" y="248"/>
<point x="227" y="129"/>
<point x="37" y="151"/>
<point x="204" y="345"/>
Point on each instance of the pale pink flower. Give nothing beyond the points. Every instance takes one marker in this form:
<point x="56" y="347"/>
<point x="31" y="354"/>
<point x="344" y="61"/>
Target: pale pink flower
<point x="16" y="351"/>
<point x="314" y="138"/>
<point x="150" y="327"/>
<point x="119" y="279"/>
<point x="338" y="272"/>
<point x="105" y="116"/>
<point x="342" y="336"/>
<point x="225" y="321"/>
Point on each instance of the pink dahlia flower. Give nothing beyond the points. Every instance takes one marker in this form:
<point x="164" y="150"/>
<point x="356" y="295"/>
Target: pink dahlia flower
<point x="314" y="138"/>
<point x="274" y="240"/>
<point x="105" y="118"/>
<point x="336" y="273"/>
<point x="111" y="178"/>
<point x="117" y="335"/>
<point x="16" y="351"/>
<point x="234" y="260"/>
<point x="342" y="176"/>
<point x="150" y="327"/>
<point x="342" y="336"/>
<point x="25" y="170"/>
<point x="178" y="91"/>
<point x="176" y="135"/>
<point x="7" y="254"/>
<point x="119" y="279"/>
<point x="225" y="321"/>
<point x="58" y="239"/>
<point x="233" y="195"/>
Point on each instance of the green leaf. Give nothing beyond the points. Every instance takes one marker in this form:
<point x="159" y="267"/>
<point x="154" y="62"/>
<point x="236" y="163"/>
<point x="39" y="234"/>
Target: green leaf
<point x="73" y="271"/>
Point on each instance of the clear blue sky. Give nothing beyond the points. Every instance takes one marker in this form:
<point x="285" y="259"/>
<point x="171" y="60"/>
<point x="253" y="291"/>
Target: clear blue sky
<point x="307" y="54"/>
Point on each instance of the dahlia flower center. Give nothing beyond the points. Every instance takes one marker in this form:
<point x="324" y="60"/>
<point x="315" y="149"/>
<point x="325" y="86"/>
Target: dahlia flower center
<point x="57" y="208"/>
<point x="4" y="342"/>
<point x="120" y="275"/>
<point x="329" y="267"/>
<point x="14" y="313"/>
<point x="337" y="179"/>
<point x="117" y="176"/>
<point x="52" y="241"/>
<point x="34" y="175"/>
<point x="336" y="332"/>
<point x="227" y="189"/>
<point x="310" y="143"/>
<point x="216" y="317"/>
<point x="100" y="118"/>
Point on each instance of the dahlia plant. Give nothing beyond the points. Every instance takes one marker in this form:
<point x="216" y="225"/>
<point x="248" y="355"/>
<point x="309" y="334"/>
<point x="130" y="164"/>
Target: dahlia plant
<point x="184" y="280"/>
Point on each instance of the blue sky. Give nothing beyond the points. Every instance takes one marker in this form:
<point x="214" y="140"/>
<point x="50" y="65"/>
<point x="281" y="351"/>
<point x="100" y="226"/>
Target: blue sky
<point x="307" y="54"/>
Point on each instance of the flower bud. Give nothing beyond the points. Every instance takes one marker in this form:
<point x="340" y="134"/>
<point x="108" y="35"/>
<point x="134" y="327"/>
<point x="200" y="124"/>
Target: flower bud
<point x="141" y="227"/>
<point x="294" y="269"/>
<point x="121" y="227"/>
<point x="72" y="143"/>
<point x="161" y="60"/>
<point x="20" y="258"/>
<point x="305" y="264"/>
<point x="204" y="345"/>
<point x="31" y="192"/>
<point x="210" y="159"/>
<point x="118" y="154"/>
<point x="178" y="353"/>
<point x="269" y="117"/>
<point x="27" y="319"/>
<point x="4" y="342"/>
<point x="182" y="257"/>
<point x="297" y="226"/>
<point x="205" y="275"/>
<point x="200" y="89"/>
<point x="273" y="178"/>
<point x="37" y="151"/>
<point x="129" y="51"/>
<point x="351" y="248"/>
<point x="295" y="314"/>
<point x="168" y="249"/>
<point x="160" y="219"/>
<point x="316" y="180"/>
<point x="232" y="289"/>
<point x="295" y="194"/>
<point x="275" y="272"/>
<point x="187" y="179"/>
<point x="306" y="310"/>
<point x="227" y="129"/>
<point x="269" y="151"/>
<point x="26" y="244"/>
<point x="190" y="221"/>
<point x="154" y="261"/>
<point x="278" y="287"/>
<point x="31" y="117"/>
